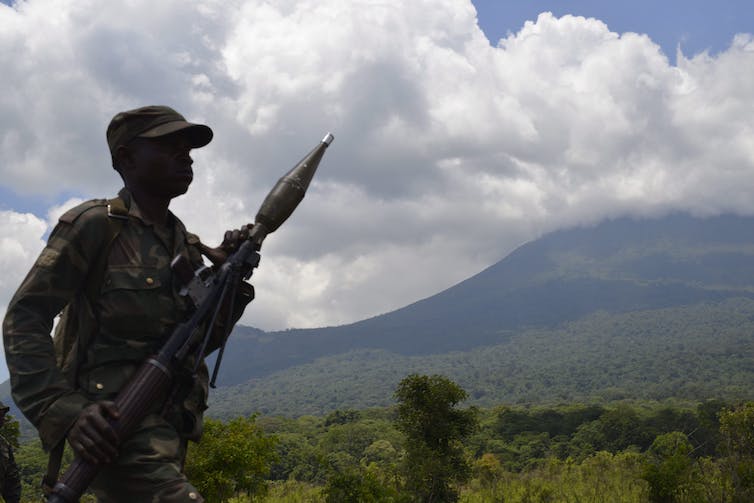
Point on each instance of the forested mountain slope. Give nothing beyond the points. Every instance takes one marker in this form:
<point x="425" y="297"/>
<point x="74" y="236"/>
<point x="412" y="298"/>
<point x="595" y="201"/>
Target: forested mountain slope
<point x="691" y="352"/>
<point x="619" y="266"/>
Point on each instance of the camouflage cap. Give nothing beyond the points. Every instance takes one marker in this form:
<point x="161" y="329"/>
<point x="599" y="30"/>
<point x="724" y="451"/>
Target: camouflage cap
<point x="151" y="122"/>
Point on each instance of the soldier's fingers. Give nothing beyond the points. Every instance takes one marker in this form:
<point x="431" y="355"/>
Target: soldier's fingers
<point x="227" y="238"/>
<point x="86" y="445"/>
<point x="94" y="433"/>
<point x="100" y="427"/>
<point x="111" y="410"/>
<point x="245" y="229"/>
<point x="99" y="446"/>
<point x="81" y="452"/>
<point x="231" y="239"/>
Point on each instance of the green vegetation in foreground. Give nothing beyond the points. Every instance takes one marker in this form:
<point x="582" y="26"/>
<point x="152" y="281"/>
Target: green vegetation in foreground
<point x="426" y="448"/>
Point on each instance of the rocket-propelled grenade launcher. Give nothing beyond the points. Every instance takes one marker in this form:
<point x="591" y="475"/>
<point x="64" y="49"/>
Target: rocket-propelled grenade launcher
<point x="279" y="204"/>
<point x="287" y="193"/>
<point x="214" y="295"/>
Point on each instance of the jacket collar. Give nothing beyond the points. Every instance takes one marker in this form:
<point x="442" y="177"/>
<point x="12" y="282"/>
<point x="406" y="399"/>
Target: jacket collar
<point x="133" y="211"/>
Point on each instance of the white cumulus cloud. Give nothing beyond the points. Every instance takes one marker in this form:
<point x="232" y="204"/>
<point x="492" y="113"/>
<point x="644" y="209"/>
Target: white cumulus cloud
<point x="449" y="151"/>
<point x="20" y="242"/>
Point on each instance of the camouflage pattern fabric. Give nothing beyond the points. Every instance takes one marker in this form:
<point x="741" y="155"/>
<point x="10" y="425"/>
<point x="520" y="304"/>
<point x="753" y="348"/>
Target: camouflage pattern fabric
<point x="10" y="479"/>
<point x="149" y="468"/>
<point x="137" y="308"/>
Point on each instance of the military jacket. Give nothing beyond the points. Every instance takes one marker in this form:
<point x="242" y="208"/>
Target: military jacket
<point x="136" y="308"/>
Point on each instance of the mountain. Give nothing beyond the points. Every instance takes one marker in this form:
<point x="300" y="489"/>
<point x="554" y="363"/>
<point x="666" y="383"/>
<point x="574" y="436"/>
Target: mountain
<point x="619" y="266"/>
<point x="630" y="308"/>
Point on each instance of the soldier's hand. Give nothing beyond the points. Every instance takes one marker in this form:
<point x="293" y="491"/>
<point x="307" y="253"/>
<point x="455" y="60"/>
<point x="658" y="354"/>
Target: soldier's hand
<point x="235" y="238"/>
<point x="231" y="241"/>
<point x="91" y="436"/>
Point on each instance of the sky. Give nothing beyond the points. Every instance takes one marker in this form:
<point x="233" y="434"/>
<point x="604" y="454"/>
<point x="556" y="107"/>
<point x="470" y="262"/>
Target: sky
<point x="694" y="25"/>
<point x="462" y="130"/>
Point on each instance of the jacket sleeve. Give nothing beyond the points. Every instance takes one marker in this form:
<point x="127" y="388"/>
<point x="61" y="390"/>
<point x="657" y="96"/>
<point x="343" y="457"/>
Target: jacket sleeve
<point x="38" y="387"/>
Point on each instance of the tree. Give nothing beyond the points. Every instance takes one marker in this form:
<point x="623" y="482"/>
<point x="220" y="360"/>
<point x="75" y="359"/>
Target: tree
<point x="298" y="459"/>
<point x="737" y="430"/>
<point x="707" y="436"/>
<point x="10" y="430"/>
<point x="382" y="460"/>
<point x="342" y="417"/>
<point x="668" y="467"/>
<point x="434" y="429"/>
<point x="352" y="438"/>
<point x="232" y="457"/>
<point x="488" y="469"/>
<point x="356" y="486"/>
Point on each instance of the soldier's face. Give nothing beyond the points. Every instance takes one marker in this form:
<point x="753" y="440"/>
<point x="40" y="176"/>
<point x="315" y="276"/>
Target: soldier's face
<point x="160" y="166"/>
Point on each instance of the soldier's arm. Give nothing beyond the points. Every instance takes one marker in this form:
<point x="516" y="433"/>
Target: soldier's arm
<point x="38" y="387"/>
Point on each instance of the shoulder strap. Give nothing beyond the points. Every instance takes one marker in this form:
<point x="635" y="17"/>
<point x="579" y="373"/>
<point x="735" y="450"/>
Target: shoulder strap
<point x="117" y="213"/>
<point x="54" y="461"/>
<point x="74" y="213"/>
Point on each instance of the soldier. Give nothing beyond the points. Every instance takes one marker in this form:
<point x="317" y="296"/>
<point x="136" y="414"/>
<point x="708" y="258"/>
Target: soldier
<point x="10" y="480"/>
<point x="109" y="261"/>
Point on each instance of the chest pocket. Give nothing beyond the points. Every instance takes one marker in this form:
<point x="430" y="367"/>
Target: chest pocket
<point x="134" y="301"/>
<point x="131" y="278"/>
<point x="105" y="381"/>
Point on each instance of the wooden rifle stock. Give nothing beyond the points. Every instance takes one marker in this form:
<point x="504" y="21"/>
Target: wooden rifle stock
<point x="150" y="385"/>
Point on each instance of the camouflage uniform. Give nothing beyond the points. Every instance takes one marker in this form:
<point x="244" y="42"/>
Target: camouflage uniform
<point x="10" y="480"/>
<point x="138" y="306"/>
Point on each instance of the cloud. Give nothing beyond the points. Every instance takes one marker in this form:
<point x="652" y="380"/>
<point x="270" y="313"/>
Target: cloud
<point x="20" y="242"/>
<point x="449" y="152"/>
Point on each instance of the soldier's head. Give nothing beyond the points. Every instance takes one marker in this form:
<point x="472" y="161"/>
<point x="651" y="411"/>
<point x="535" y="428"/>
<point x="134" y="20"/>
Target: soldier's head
<point x="150" y="148"/>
